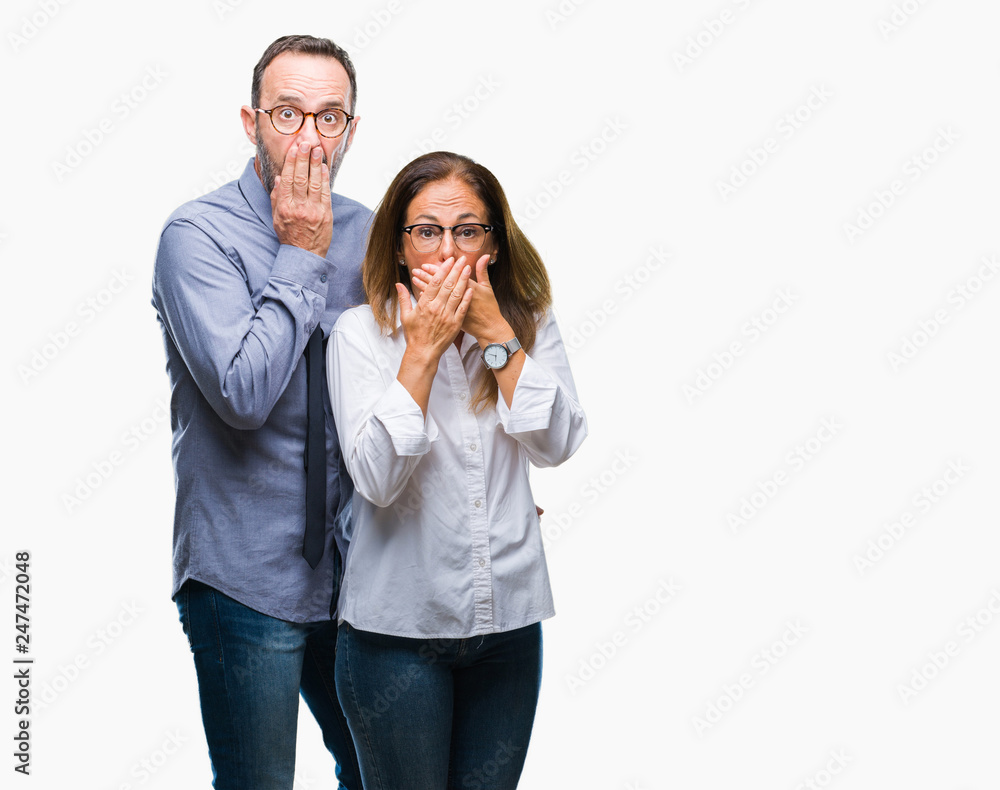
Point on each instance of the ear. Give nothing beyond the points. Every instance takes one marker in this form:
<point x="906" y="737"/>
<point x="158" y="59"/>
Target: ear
<point x="249" y="119"/>
<point x="350" y="134"/>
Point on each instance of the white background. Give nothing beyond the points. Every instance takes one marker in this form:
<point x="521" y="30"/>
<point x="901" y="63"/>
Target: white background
<point x="612" y="148"/>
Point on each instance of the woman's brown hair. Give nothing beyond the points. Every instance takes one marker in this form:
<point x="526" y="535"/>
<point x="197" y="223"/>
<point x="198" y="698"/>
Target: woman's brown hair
<point x="518" y="277"/>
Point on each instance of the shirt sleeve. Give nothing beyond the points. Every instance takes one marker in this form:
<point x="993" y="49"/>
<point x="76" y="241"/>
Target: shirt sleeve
<point x="545" y="417"/>
<point x="241" y="357"/>
<point x="383" y="433"/>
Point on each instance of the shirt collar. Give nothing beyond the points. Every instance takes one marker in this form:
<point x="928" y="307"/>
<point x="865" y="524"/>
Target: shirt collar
<point x="253" y="192"/>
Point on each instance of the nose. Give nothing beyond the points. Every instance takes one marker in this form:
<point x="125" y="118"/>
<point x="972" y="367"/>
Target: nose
<point x="308" y="133"/>
<point x="448" y="249"/>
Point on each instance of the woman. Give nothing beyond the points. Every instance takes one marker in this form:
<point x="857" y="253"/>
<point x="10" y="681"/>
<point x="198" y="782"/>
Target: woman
<point x="444" y="386"/>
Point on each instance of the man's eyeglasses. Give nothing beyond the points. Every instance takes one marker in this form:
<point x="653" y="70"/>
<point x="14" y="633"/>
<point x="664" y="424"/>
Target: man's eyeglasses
<point x="288" y="120"/>
<point x="468" y="237"/>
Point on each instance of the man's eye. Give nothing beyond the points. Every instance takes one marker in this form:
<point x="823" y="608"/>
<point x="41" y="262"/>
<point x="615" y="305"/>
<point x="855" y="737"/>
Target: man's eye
<point x="287" y="114"/>
<point x="329" y="118"/>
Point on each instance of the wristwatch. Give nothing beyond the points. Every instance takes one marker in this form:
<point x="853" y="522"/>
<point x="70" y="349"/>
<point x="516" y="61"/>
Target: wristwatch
<point x="496" y="355"/>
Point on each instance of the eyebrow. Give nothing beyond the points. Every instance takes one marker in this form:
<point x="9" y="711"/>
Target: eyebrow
<point x="434" y="219"/>
<point x="288" y="98"/>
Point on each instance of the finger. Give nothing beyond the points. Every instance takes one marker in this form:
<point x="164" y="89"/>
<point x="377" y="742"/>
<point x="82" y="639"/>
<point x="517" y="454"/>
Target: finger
<point x="324" y="182"/>
<point x="275" y="192"/>
<point x="405" y="308"/>
<point x="430" y="268"/>
<point x="482" y="271"/>
<point x="434" y="284"/>
<point x="288" y="173"/>
<point x="300" y="185"/>
<point x="420" y="278"/>
<point x="462" y="285"/>
<point x="463" y="306"/>
<point x="316" y="172"/>
<point x="455" y="271"/>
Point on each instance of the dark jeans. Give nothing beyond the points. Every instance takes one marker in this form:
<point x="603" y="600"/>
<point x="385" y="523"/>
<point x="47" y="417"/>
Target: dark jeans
<point x="430" y="714"/>
<point x="251" y="669"/>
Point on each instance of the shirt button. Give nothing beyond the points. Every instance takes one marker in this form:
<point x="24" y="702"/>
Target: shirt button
<point x="322" y="278"/>
<point x="461" y="396"/>
<point x="478" y="503"/>
<point x="472" y="447"/>
<point x="482" y="563"/>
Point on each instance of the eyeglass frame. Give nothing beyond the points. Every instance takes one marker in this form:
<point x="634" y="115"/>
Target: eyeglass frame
<point x="486" y="228"/>
<point x="306" y="115"/>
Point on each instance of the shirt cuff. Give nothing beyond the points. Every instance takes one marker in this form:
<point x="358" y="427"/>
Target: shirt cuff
<point x="404" y="423"/>
<point x="304" y="268"/>
<point x="531" y="406"/>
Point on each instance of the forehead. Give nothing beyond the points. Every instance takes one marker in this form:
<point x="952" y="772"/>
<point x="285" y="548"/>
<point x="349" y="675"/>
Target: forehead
<point x="447" y="201"/>
<point x="313" y="78"/>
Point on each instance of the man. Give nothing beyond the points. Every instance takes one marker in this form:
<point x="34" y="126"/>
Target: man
<point x="243" y="277"/>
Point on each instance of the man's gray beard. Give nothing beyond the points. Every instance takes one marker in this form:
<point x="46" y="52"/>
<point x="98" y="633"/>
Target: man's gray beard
<point x="268" y="169"/>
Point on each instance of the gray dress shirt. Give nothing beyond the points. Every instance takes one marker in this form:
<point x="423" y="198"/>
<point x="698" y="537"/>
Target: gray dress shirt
<point x="236" y="308"/>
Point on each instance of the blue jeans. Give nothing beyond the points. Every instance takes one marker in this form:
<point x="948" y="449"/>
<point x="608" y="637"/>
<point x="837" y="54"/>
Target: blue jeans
<point x="430" y="714"/>
<point x="251" y="668"/>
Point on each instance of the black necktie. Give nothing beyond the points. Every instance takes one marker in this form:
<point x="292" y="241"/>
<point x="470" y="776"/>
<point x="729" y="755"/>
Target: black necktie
<point x="315" y="537"/>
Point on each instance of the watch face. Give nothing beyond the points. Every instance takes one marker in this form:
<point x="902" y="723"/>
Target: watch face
<point x="495" y="356"/>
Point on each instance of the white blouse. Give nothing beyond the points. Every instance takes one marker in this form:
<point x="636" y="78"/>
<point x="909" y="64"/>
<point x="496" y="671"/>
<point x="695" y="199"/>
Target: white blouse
<point x="445" y="541"/>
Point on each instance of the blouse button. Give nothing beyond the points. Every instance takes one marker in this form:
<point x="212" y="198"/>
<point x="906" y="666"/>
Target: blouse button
<point x="478" y="503"/>
<point x="472" y="447"/>
<point x="482" y="563"/>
